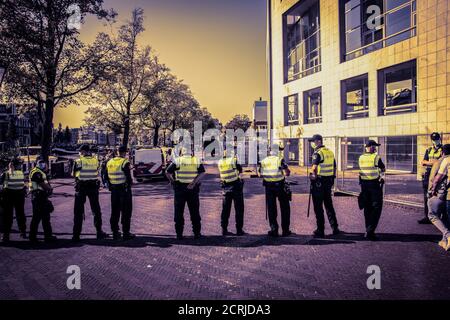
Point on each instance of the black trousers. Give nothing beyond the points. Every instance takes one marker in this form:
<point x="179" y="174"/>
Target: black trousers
<point x="373" y="204"/>
<point x="276" y="191"/>
<point x="322" y="196"/>
<point x="121" y="208"/>
<point x="40" y="213"/>
<point x="425" y="185"/>
<point x="233" y="192"/>
<point x="192" y="197"/>
<point x="86" y="190"/>
<point x="14" y="201"/>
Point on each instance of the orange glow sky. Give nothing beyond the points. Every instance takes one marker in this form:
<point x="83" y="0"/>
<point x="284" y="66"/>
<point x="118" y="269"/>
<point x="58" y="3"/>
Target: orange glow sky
<point x="218" y="47"/>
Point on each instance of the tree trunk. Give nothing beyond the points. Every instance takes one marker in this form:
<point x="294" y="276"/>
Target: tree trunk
<point x="156" y="136"/>
<point x="126" y="132"/>
<point x="46" y="140"/>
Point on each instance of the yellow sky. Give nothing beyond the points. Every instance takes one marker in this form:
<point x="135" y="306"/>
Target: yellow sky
<point x="217" y="48"/>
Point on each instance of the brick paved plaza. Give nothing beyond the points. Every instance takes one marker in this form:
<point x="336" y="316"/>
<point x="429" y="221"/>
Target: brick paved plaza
<point x="156" y="266"/>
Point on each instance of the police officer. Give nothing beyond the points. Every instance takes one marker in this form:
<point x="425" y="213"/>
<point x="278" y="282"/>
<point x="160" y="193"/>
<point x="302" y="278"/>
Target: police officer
<point x="440" y="198"/>
<point x="185" y="174"/>
<point x="232" y="190"/>
<point x="273" y="170"/>
<point x="14" y="193"/>
<point x="42" y="207"/>
<point x="432" y="155"/>
<point x="120" y="182"/>
<point x="322" y="181"/>
<point x="87" y="185"/>
<point x="371" y="177"/>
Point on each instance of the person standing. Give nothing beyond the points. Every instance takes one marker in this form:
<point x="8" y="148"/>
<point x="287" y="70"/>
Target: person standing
<point x="185" y="174"/>
<point x="322" y="181"/>
<point x="87" y="185"/>
<point x="273" y="170"/>
<point x="371" y="178"/>
<point x="439" y="202"/>
<point x="432" y="155"/>
<point x="120" y="183"/>
<point x="14" y="192"/>
<point x="232" y="191"/>
<point x="42" y="207"/>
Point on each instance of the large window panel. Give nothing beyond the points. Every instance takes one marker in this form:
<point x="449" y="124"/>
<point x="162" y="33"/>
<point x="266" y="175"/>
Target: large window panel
<point x="355" y="98"/>
<point x="291" y="110"/>
<point x="313" y="106"/>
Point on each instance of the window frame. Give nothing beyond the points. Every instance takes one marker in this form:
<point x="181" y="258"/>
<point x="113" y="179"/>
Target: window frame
<point x="287" y="121"/>
<point x="306" y="114"/>
<point x="344" y="91"/>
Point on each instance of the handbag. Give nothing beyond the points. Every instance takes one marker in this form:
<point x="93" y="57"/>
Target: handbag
<point x="361" y="201"/>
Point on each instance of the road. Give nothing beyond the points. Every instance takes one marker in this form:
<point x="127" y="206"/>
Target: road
<point x="157" y="266"/>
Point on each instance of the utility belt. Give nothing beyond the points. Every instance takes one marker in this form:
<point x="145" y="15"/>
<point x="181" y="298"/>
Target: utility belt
<point x="183" y="186"/>
<point x="236" y="183"/>
<point x="277" y="184"/>
<point x="86" y="184"/>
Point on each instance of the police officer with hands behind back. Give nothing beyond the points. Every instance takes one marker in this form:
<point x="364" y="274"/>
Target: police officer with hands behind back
<point x="120" y="182"/>
<point x="42" y="207"/>
<point x="87" y="185"/>
<point x="322" y="181"/>
<point x="371" y="177"/>
<point x="13" y="193"/>
<point x="185" y="174"/>
<point x="273" y="170"/>
<point x="432" y="155"/>
<point x="232" y="189"/>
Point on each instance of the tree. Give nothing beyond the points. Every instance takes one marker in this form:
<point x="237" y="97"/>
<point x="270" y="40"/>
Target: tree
<point x="59" y="134"/>
<point x="240" y="121"/>
<point x="119" y="96"/>
<point x="47" y="62"/>
<point x="67" y="135"/>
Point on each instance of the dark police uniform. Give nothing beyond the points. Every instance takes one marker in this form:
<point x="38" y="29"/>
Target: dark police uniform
<point x="432" y="153"/>
<point x="87" y="185"/>
<point x="232" y="191"/>
<point x="42" y="207"/>
<point x="14" y="200"/>
<point x="371" y="166"/>
<point x="271" y="170"/>
<point x="321" y="189"/>
<point x="185" y="169"/>
<point x="120" y="182"/>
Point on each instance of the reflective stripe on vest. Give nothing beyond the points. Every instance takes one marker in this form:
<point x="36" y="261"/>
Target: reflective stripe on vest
<point x="14" y="180"/>
<point x="228" y="170"/>
<point x="270" y="169"/>
<point x="115" y="170"/>
<point x="32" y="184"/>
<point x="89" y="169"/>
<point x="434" y="154"/>
<point x="187" y="169"/>
<point x="368" y="169"/>
<point x="326" y="167"/>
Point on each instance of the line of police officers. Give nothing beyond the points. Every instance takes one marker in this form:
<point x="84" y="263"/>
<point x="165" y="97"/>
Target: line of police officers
<point x="185" y="174"/>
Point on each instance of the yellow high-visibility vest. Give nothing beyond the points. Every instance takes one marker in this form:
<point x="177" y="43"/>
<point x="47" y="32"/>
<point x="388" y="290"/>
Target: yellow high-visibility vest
<point x="32" y="184"/>
<point x="14" y="180"/>
<point x="326" y="168"/>
<point x="115" y="171"/>
<point x="187" y="169"/>
<point x="89" y="169"/>
<point x="434" y="154"/>
<point x="228" y="170"/>
<point x="271" y="169"/>
<point x="368" y="166"/>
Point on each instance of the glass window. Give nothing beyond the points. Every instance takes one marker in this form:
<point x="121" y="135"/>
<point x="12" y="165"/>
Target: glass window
<point x="355" y="97"/>
<point x="401" y="153"/>
<point x="398" y="89"/>
<point x="291" y="110"/>
<point x="396" y="22"/>
<point x="313" y="106"/>
<point x="302" y="39"/>
<point x="353" y="148"/>
<point x="292" y="151"/>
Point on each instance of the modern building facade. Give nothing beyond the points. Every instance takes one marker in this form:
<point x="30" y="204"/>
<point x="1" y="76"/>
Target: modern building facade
<point x="358" y="69"/>
<point x="259" y="120"/>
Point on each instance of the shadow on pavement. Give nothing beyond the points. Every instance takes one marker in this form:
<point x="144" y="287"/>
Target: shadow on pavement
<point x="249" y="241"/>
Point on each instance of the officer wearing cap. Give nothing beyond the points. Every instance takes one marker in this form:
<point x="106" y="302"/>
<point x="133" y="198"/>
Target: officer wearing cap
<point x="432" y="155"/>
<point x="13" y="183"/>
<point x="371" y="178"/>
<point x="273" y="170"/>
<point x="322" y="176"/>
<point x="232" y="191"/>
<point x="40" y="190"/>
<point x="185" y="174"/>
<point x="87" y="185"/>
<point x="118" y="175"/>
